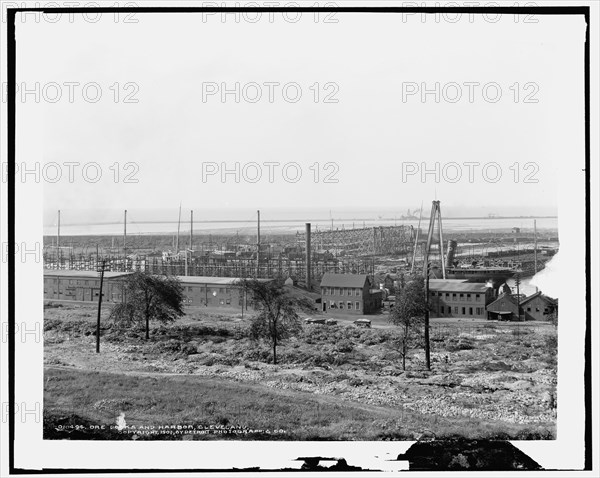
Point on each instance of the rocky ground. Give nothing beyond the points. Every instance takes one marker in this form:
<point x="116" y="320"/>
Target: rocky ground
<point x="499" y="377"/>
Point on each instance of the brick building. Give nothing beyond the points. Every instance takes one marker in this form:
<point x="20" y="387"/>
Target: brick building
<point x="213" y="291"/>
<point x="350" y="293"/>
<point x="459" y="298"/>
<point x="83" y="285"/>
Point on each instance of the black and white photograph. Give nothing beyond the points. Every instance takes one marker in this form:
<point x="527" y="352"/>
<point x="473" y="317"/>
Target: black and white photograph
<point x="299" y="237"/>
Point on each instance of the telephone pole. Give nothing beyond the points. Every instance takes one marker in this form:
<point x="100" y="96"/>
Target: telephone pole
<point x="535" y="261"/>
<point x="124" y="230"/>
<point x="258" y="245"/>
<point x="518" y="284"/>
<point x="427" y="347"/>
<point x="58" y="242"/>
<point x="102" y="269"/>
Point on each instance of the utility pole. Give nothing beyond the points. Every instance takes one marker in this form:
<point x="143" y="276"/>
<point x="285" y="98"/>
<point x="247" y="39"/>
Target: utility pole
<point x="427" y="348"/>
<point x="518" y="284"/>
<point x="244" y="303"/>
<point x="534" y="247"/>
<point x="258" y="245"/>
<point x="178" y="226"/>
<point x="308" y="258"/>
<point x="58" y="243"/>
<point x="99" y="306"/>
<point x="124" y="230"/>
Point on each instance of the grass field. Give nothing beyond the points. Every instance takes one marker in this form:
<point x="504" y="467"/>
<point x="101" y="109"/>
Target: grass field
<point x="332" y="383"/>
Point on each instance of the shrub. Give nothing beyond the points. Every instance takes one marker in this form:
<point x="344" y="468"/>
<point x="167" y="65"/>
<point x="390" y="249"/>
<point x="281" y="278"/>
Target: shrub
<point x="258" y="354"/>
<point x="188" y="349"/>
<point x="453" y="344"/>
<point x="344" y="346"/>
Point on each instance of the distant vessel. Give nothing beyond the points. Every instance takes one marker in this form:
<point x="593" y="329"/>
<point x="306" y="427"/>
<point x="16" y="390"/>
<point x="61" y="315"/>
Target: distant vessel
<point x="493" y="274"/>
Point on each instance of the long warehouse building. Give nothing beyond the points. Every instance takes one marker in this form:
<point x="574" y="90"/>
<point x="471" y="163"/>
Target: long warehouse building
<point x="85" y="286"/>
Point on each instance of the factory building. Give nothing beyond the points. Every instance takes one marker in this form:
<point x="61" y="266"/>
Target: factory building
<point x="349" y="293"/>
<point x="213" y="291"/>
<point x="459" y="298"/>
<point x="83" y="285"/>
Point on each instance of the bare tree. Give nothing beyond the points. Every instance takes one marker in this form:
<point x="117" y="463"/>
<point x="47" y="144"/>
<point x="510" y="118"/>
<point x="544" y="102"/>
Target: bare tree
<point x="277" y="317"/>
<point x="149" y="297"/>
<point x="409" y="310"/>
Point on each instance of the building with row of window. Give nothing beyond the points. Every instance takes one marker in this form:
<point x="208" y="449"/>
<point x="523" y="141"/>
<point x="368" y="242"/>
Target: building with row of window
<point x="459" y="298"/>
<point x="349" y="293"/>
<point x="213" y="291"/>
<point x="85" y="286"/>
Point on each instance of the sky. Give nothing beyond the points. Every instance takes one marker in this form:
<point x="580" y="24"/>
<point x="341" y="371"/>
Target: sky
<point x="341" y="122"/>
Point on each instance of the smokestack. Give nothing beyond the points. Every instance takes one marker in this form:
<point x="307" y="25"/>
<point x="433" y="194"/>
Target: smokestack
<point x="191" y="231"/>
<point x="124" y="230"/>
<point x="450" y="254"/>
<point x="308" y="258"/>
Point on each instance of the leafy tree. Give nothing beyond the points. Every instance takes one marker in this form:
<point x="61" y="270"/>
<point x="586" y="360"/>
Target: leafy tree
<point x="277" y="317"/>
<point x="409" y="310"/>
<point x="149" y="297"/>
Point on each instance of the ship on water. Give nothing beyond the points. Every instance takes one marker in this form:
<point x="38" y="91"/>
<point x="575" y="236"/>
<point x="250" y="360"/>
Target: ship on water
<point x="451" y="269"/>
<point x="495" y="275"/>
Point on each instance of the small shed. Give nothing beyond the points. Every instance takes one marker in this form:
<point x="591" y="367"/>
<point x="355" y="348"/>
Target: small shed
<point x="540" y="307"/>
<point x="503" y="308"/>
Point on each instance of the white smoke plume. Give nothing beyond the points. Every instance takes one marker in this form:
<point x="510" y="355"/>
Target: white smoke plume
<point x="548" y="279"/>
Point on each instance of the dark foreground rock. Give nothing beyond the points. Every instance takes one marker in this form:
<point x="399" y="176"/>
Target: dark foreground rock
<point x="464" y="454"/>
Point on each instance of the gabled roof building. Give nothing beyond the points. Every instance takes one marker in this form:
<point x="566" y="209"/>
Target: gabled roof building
<point x="349" y="293"/>
<point x="459" y="298"/>
<point x="535" y="307"/>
